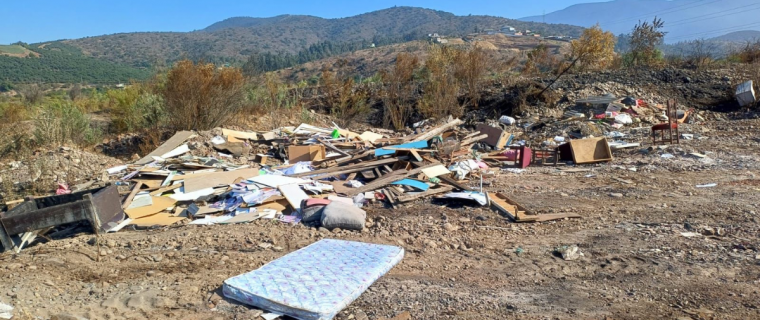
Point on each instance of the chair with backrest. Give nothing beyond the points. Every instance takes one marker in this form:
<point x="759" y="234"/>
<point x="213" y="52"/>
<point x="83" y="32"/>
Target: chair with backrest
<point x="669" y="130"/>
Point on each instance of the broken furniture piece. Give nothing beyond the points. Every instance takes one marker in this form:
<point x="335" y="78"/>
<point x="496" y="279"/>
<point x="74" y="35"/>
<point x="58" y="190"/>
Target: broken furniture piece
<point x="670" y="127"/>
<point x="101" y="207"/>
<point x="590" y="150"/>
<point x="520" y="213"/>
<point x="745" y="94"/>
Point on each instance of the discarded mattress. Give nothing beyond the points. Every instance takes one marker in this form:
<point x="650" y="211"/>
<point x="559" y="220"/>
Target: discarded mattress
<point x="316" y="282"/>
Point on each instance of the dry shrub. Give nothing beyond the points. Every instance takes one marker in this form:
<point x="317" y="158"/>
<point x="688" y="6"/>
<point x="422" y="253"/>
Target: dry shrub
<point x="201" y="97"/>
<point x="540" y="61"/>
<point x="441" y="88"/>
<point x="276" y="99"/>
<point x="594" y="50"/>
<point x="346" y="101"/>
<point x="136" y="108"/>
<point x="749" y="54"/>
<point x="469" y="68"/>
<point x="31" y="93"/>
<point x="11" y="134"/>
<point x="60" y="123"/>
<point x="399" y="89"/>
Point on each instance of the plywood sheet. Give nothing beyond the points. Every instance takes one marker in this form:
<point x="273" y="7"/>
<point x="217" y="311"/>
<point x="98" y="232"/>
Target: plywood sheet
<point x="159" y="204"/>
<point x="294" y="194"/>
<point x="239" y="135"/>
<point x="306" y="153"/>
<point x="175" y="141"/>
<point x="159" y="219"/>
<point x="590" y="150"/>
<point x="216" y="179"/>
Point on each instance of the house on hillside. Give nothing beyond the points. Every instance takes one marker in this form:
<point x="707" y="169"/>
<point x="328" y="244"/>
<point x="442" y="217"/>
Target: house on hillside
<point x="508" y="29"/>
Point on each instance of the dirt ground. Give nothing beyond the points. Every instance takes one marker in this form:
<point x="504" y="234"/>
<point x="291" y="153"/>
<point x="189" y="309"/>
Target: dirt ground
<point x="658" y="247"/>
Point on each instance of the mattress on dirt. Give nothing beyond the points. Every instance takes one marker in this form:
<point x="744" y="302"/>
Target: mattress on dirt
<point x="316" y="282"/>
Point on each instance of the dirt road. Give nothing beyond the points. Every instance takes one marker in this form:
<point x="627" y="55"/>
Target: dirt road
<point x="657" y="247"/>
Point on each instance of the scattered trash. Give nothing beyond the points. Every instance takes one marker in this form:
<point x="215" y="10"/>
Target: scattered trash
<point x="691" y="234"/>
<point x="709" y="185"/>
<point x="569" y="253"/>
<point x="6" y="311"/>
<point x="667" y="156"/>
<point x="507" y="120"/>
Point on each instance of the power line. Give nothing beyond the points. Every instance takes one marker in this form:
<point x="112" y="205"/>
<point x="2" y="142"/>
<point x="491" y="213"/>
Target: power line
<point x="699" y="18"/>
<point x="665" y="11"/>
<point x="718" y="31"/>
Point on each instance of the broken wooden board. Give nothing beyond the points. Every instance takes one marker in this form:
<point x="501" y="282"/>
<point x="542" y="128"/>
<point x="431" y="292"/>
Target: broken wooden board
<point x="132" y="195"/>
<point x="387" y="179"/>
<point x="512" y="209"/>
<point x="159" y="204"/>
<point x="556" y="216"/>
<point x="216" y="179"/>
<point x="159" y="219"/>
<point x="392" y="149"/>
<point x="430" y="192"/>
<point x="434" y="132"/>
<point x="591" y="150"/>
<point x="294" y="195"/>
<point x="436" y="171"/>
<point x="175" y="141"/>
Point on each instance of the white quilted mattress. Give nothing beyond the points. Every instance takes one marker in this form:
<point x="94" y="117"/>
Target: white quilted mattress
<point x="316" y="282"/>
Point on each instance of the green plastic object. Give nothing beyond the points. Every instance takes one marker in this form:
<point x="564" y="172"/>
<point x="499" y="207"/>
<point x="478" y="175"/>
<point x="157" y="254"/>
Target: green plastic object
<point x="335" y="134"/>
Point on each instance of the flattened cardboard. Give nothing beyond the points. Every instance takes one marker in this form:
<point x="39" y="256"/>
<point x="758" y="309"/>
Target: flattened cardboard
<point x="436" y="171"/>
<point x="159" y="219"/>
<point x="306" y="153"/>
<point x="159" y="204"/>
<point x="279" y="205"/>
<point x="216" y="179"/>
<point x="239" y="135"/>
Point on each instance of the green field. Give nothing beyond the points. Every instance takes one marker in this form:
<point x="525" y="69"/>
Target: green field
<point x="13" y="49"/>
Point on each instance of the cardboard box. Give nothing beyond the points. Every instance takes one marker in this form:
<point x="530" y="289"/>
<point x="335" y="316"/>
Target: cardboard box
<point x="306" y="153"/>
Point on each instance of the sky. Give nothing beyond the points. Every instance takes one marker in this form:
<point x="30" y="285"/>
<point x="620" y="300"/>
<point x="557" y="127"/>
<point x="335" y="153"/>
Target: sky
<point x="35" y="21"/>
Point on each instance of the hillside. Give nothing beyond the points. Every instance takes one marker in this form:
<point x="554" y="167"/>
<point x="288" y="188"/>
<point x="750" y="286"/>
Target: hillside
<point x="739" y="36"/>
<point x="57" y="63"/>
<point x="684" y="19"/>
<point x="235" y="39"/>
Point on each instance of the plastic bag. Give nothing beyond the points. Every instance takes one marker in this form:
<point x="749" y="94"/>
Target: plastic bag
<point x="624" y="118"/>
<point x="507" y="120"/>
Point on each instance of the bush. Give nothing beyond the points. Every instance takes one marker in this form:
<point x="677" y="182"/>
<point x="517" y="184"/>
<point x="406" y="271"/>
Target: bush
<point x="346" y="101"/>
<point x="594" y="50"/>
<point x="399" y="89"/>
<point x="11" y="132"/>
<point x="62" y="122"/>
<point x="201" y="97"/>
<point x="441" y="89"/>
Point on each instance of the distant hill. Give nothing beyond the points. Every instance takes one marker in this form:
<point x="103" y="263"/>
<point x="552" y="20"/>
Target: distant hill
<point x="61" y="63"/>
<point x="739" y="36"/>
<point x="234" y="39"/>
<point x="684" y="19"/>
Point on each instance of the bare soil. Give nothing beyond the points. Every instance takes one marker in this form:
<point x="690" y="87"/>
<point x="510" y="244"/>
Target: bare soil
<point x="462" y="261"/>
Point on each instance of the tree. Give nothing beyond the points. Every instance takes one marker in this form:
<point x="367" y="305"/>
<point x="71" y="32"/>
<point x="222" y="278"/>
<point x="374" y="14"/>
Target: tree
<point x="200" y="96"/>
<point x="595" y="49"/>
<point x="644" y="41"/>
<point x="469" y="68"/>
<point x="700" y="52"/>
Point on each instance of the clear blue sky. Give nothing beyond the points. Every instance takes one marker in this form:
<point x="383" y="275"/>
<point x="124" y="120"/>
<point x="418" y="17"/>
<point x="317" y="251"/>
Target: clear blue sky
<point x="43" y="20"/>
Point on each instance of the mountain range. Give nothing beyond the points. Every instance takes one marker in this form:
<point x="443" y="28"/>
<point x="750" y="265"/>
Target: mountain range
<point x="684" y="19"/>
<point x="236" y="38"/>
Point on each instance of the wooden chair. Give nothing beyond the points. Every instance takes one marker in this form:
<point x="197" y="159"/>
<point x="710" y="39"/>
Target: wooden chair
<point x="668" y="129"/>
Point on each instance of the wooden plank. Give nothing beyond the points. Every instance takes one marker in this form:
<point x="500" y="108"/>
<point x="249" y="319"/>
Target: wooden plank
<point x="434" y="132"/>
<point x="165" y="189"/>
<point x="473" y="139"/>
<point x="358" y="167"/>
<point x="132" y="195"/>
<point x="416" y="156"/>
<point x="175" y="141"/>
<point x="451" y="181"/>
<point x="556" y="216"/>
<point x="387" y="179"/>
<point x="513" y="210"/>
<point x="429" y="192"/>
